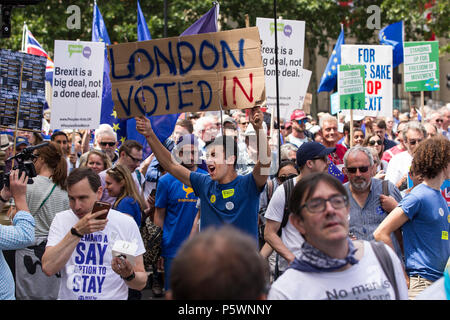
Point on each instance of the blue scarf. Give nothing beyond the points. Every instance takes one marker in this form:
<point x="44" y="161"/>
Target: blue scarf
<point x="314" y="260"/>
<point x="447" y="283"/>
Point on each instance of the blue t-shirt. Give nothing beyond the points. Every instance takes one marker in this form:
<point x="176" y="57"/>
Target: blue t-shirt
<point x="179" y="201"/>
<point x="130" y="206"/>
<point x="235" y="203"/>
<point x="425" y="235"/>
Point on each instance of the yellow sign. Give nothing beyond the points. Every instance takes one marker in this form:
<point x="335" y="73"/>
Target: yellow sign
<point x="444" y="235"/>
<point x="227" y="193"/>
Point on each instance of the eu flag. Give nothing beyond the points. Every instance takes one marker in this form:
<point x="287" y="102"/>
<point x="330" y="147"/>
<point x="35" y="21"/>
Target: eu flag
<point x="335" y="172"/>
<point x="329" y="78"/>
<point x="108" y="115"/>
<point x="393" y="35"/>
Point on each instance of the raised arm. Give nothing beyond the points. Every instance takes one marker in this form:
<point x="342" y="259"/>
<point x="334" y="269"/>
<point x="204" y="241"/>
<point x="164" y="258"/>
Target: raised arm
<point x="163" y="155"/>
<point x="262" y="168"/>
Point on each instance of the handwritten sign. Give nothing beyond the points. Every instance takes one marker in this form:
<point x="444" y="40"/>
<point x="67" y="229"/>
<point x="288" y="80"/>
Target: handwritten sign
<point x="187" y="74"/>
<point x="421" y="66"/>
<point x="377" y="61"/>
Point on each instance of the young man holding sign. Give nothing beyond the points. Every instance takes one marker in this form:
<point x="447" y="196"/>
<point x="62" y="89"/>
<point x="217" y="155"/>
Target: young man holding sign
<point x="226" y="197"/>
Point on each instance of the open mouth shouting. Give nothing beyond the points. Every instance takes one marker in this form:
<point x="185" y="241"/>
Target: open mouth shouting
<point x="212" y="169"/>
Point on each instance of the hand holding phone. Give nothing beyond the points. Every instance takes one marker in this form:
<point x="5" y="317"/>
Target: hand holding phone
<point x="99" y="206"/>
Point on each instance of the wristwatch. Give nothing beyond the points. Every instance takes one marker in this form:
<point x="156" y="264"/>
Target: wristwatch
<point x="76" y="233"/>
<point x="130" y="277"/>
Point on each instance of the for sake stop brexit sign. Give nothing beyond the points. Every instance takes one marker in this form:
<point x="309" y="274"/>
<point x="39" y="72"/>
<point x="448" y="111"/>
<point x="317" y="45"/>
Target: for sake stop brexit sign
<point x="187" y="74"/>
<point x="377" y="61"/>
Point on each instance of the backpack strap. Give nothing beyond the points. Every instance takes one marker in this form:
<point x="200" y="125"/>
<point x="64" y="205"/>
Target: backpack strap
<point x="385" y="186"/>
<point x="288" y="186"/>
<point x="386" y="264"/>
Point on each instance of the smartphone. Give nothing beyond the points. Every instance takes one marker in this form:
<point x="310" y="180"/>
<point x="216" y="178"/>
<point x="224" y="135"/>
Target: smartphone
<point x="99" y="206"/>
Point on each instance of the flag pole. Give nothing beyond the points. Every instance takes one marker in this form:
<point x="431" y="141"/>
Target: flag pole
<point x="276" y="77"/>
<point x="23" y="35"/>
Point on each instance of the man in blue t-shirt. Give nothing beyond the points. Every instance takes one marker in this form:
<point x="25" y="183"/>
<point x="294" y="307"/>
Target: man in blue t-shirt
<point x="175" y="202"/>
<point x="226" y="197"/>
<point x="424" y="218"/>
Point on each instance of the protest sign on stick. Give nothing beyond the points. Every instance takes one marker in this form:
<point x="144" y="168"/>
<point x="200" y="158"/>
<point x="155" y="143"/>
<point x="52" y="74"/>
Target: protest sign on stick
<point x="351" y="89"/>
<point x="377" y="61"/>
<point x="77" y="84"/>
<point x="187" y="74"/>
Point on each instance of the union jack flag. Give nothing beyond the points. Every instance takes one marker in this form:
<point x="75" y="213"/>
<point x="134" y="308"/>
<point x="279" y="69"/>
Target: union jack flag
<point x="32" y="46"/>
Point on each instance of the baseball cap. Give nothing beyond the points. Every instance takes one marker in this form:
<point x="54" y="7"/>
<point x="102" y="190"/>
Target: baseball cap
<point x="230" y="119"/>
<point x="4" y="142"/>
<point x="22" y="140"/>
<point x="311" y="150"/>
<point x="298" y="115"/>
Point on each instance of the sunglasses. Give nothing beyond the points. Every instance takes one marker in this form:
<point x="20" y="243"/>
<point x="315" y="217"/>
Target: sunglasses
<point x="361" y="169"/>
<point x="104" y="144"/>
<point x="302" y="121"/>
<point x="439" y="120"/>
<point x="286" y="177"/>
<point x="133" y="158"/>
<point x="323" y="158"/>
<point x="373" y="142"/>
<point x="413" y="141"/>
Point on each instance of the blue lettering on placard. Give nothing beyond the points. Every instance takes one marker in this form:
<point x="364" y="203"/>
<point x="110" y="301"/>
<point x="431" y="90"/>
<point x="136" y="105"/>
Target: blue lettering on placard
<point x="170" y="62"/>
<point x="138" y="103"/>
<point x="206" y="43"/>
<point x="373" y="103"/>
<point x="184" y="70"/>
<point x="165" y="86"/>
<point x="181" y="104"/>
<point x="380" y="72"/>
<point x="127" y="109"/>
<point x="226" y="48"/>
<point x="200" y="84"/>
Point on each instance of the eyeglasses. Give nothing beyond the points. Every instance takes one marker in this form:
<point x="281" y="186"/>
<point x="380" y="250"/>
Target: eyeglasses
<point x="319" y="205"/>
<point x="133" y="158"/>
<point x="286" y="177"/>
<point x="414" y="141"/>
<point x="104" y="144"/>
<point x="373" y="142"/>
<point x="361" y="169"/>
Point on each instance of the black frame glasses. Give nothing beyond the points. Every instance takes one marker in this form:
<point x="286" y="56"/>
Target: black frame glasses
<point x="361" y="169"/>
<point x="133" y="158"/>
<point x="414" y="141"/>
<point x="318" y="205"/>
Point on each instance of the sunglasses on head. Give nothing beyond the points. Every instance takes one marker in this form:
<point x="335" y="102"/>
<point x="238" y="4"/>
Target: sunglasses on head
<point x="414" y="141"/>
<point x="373" y="142"/>
<point x="361" y="169"/>
<point x="104" y="144"/>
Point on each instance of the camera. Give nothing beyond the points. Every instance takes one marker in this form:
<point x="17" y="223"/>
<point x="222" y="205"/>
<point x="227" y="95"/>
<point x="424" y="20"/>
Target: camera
<point x="24" y="163"/>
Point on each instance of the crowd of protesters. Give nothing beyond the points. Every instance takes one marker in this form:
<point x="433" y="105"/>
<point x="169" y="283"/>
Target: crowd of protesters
<point x="308" y="224"/>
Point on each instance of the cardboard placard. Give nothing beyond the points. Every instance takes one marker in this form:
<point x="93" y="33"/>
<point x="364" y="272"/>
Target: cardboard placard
<point x="187" y="74"/>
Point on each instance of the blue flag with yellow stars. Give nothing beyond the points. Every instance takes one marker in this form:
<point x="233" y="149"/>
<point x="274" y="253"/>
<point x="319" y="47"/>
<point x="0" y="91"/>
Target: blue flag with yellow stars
<point x="329" y="78"/>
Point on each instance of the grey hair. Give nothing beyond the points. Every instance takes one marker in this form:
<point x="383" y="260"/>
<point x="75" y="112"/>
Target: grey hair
<point x="105" y="130"/>
<point x="355" y="149"/>
<point x="413" y="125"/>
<point x="327" y="118"/>
<point x="285" y="148"/>
<point x="200" y="124"/>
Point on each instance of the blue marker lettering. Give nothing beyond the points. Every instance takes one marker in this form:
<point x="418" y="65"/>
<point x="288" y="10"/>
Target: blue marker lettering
<point x="126" y="109"/>
<point x="138" y="103"/>
<point x="170" y="62"/>
<point x="186" y="44"/>
<point x="181" y="104"/>
<point x="204" y="105"/>
<point x="206" y="43"/>
<point x="165" y="86"/>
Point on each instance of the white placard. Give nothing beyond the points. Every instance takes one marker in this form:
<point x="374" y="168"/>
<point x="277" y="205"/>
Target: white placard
<point x="293" y="80"/>
<point x="378" y="77"/>
<point x="77" y="84"/>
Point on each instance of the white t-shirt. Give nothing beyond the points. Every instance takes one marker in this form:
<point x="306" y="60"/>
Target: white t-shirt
<point x="290" y="236"/>
<point x="398" y="166"/>
<point x="87" y="274"/>
<point x="362" y="281"/>
<point x="297" y="141"/>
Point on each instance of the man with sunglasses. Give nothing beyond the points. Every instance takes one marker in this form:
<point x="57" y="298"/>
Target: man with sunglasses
<point x="368" y="205"/>
<point x="299" y="134"/>
<point x="311" y="157"/>
<point x="397" y="171"/>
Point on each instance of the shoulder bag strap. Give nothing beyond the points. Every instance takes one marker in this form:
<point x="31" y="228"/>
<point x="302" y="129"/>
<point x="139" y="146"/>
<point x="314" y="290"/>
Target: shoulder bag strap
<point x="48" y="196"/>
<point x="386" y="264"/>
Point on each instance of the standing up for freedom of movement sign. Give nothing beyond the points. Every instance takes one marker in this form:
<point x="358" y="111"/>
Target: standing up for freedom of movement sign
<point x="378" y="77"/>
<point x="293" y="80"/>
<point x="22" y="90"/>
<point x="187" y="74"/>
<point x="351" y="87"/>
<point x="421" y="66"/>
<point x="77" y="84"/>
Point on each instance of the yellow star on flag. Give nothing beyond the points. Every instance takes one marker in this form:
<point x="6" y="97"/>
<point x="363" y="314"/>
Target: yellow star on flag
<point x="122" y="140"/>
<point x="114" y="114"/>
<point x="116" y="126"/>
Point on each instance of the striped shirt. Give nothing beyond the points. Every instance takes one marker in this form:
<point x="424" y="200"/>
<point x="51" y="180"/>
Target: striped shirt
<point x="17" y="236"/>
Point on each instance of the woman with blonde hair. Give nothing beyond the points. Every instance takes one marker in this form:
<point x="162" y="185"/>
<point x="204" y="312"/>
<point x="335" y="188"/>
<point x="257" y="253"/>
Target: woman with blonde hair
<point x="120" y="184"/>
<point x="97" y="160"/>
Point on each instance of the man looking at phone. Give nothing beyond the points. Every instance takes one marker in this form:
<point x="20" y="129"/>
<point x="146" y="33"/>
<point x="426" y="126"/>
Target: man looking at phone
<point x="79" y="245"/>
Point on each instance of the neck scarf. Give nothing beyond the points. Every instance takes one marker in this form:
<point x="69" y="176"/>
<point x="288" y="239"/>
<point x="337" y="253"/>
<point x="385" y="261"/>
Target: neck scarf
<point x="314" y="260"/>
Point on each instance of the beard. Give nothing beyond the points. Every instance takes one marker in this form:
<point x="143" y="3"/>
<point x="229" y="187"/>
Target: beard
<point x="360" y="184"/>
